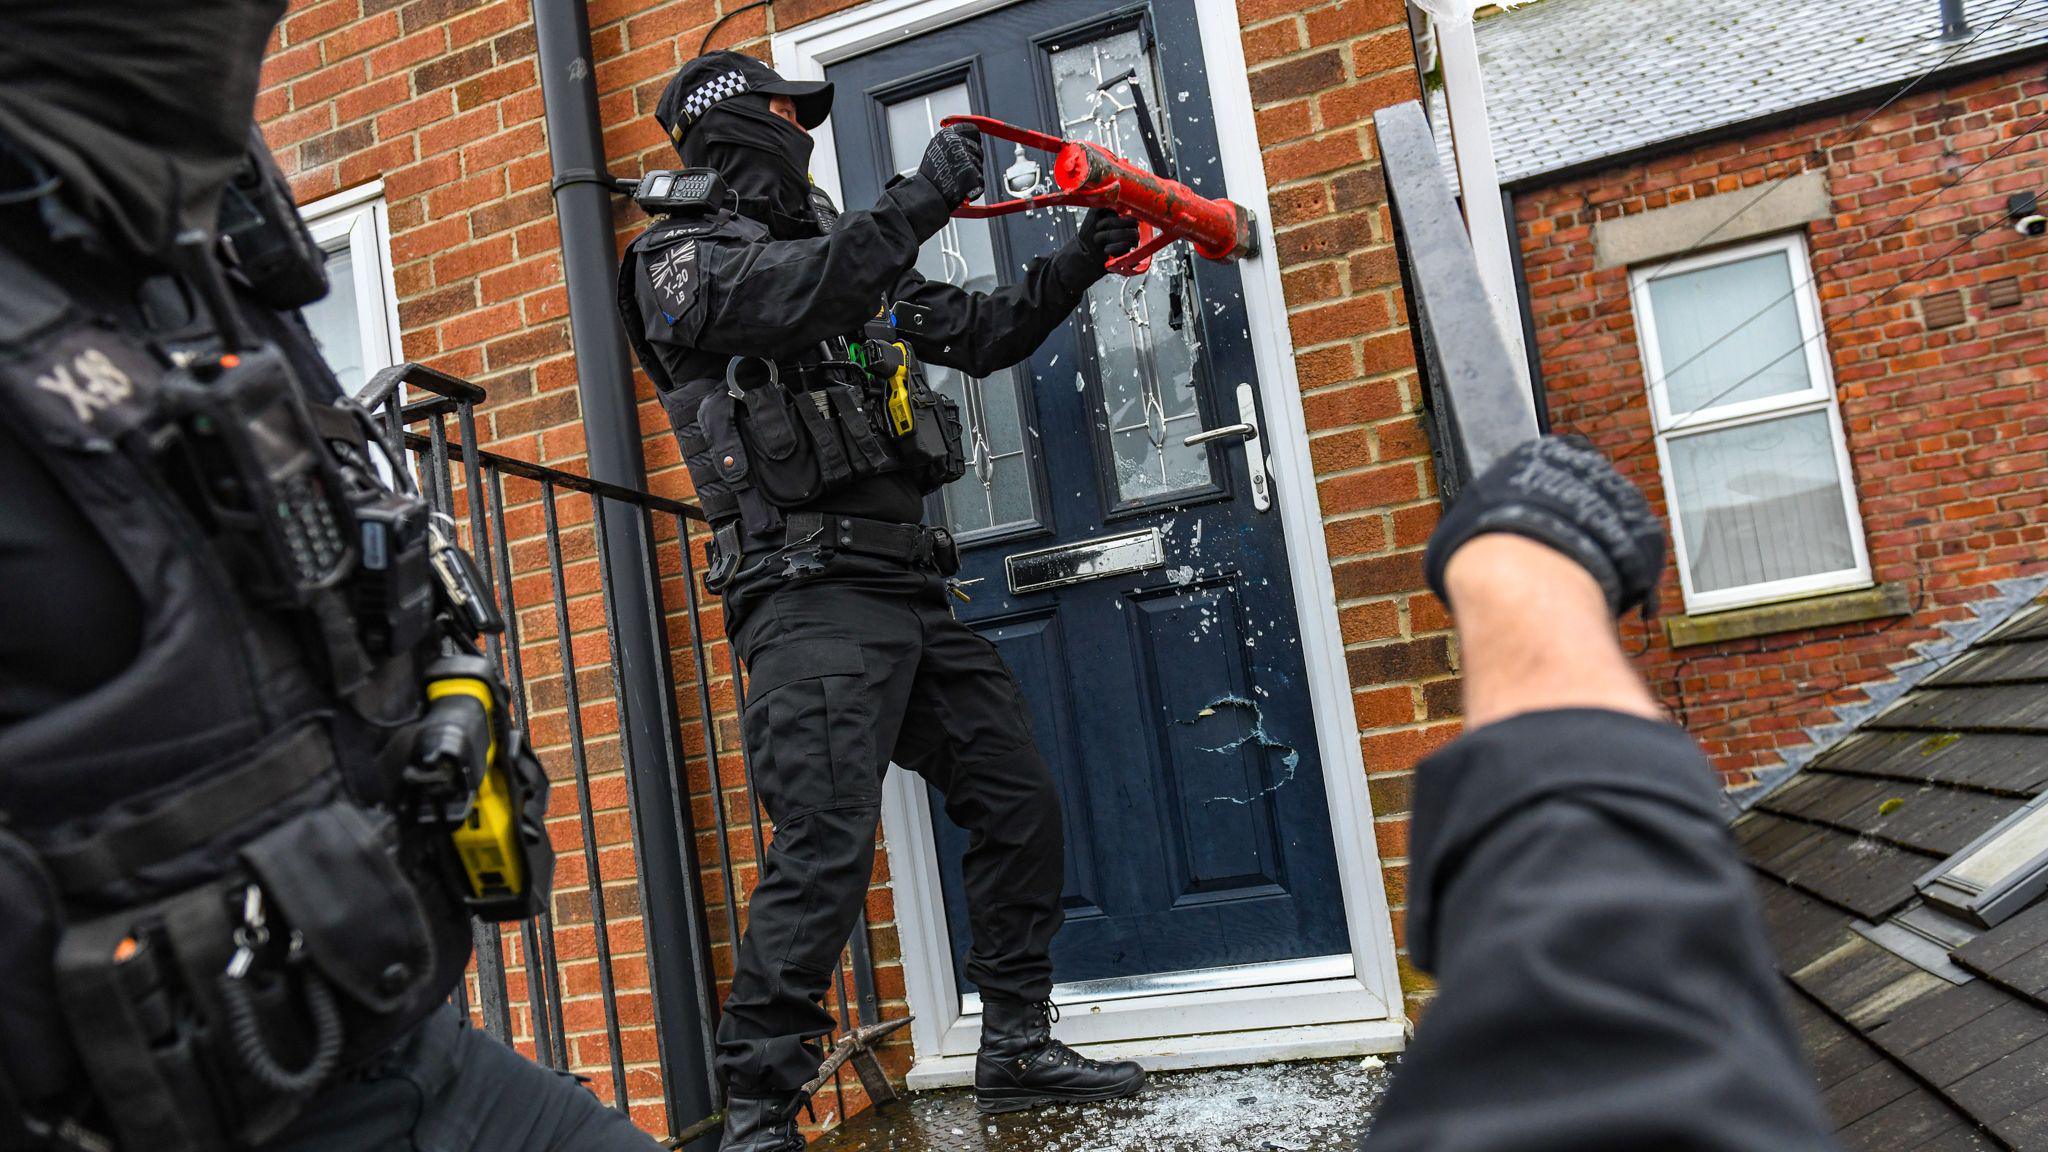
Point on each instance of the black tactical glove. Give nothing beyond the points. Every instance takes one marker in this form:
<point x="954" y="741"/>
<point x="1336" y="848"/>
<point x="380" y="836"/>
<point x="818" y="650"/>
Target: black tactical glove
<point x="1562" y="492"/>
<point x="952" y="162"/>
<point x="1104" y="234"/>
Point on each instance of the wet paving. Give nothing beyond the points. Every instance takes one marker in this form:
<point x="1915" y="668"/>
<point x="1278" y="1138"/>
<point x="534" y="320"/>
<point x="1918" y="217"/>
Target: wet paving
<point x="1324" y="1106"/>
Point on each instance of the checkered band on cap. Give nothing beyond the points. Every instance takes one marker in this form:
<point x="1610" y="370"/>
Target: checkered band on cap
<point x="711" y="92"/>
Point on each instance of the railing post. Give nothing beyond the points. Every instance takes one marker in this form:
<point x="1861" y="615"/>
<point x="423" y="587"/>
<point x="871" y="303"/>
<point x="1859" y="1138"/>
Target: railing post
<point x="672" y="909"/>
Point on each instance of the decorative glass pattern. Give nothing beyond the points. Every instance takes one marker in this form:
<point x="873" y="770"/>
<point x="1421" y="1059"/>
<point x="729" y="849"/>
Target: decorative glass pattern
<point x="1146" y="366"/>
<point x="997" y="490"/>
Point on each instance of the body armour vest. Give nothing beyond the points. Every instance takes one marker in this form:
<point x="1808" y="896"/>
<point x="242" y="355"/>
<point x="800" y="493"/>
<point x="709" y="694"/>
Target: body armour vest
<point x="767" y="433"/>
<point x="217" y="896"/>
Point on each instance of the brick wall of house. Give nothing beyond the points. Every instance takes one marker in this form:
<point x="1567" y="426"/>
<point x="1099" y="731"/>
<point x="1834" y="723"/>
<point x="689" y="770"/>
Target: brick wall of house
<point x="441" y="100"/>
<point x="1947" y="427"/>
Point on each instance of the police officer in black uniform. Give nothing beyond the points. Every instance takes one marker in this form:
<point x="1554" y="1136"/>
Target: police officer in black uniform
<point x="784" y="339"/>
<point x="255" y="776"/>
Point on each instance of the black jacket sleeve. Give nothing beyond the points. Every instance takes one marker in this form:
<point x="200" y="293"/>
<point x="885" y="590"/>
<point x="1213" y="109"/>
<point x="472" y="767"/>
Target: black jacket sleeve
<point x="751" y="296"/>
<point x="765" y="296"/>
<point x="984" y="332"/>
<point x="1604" y="982"/>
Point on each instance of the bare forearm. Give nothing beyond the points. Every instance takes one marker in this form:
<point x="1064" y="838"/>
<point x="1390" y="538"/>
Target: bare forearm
<point x="1534" y="633"/>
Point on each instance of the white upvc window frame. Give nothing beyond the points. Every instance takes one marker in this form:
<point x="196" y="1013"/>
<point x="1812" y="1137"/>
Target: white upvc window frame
<point x="358" y="219"/>
<point x="1819" y="397"/>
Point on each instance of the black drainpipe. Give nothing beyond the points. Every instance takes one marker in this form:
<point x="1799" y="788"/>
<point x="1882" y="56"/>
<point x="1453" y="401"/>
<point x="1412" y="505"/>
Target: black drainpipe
<point x="1537" y="391"/>
<point x="665" y="850"/>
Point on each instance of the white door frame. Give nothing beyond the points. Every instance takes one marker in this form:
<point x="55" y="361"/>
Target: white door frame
<point x="1329" y="1007"/>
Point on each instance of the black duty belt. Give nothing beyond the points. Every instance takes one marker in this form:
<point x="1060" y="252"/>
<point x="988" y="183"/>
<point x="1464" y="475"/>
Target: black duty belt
<point x="912" y="545"/>
<point x="918" y="545"/>
<point x="283" y="765"/>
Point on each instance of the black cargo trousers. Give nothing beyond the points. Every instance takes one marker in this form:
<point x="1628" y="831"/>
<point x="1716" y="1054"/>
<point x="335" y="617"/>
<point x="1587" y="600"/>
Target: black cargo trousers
<point x="449" y="1087"/>
<point x="849" y="666"/>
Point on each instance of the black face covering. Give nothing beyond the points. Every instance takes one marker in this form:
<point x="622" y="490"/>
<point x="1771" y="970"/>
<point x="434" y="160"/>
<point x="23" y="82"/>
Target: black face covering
<point x="139" y="108"/>
<point x="765" y="160"/>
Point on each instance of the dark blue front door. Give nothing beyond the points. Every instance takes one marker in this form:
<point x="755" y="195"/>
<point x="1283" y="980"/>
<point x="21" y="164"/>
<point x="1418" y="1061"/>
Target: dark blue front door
<point x="1136" y="585"/>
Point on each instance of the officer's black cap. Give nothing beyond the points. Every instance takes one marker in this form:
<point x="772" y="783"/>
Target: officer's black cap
<point x="721" y="75"/>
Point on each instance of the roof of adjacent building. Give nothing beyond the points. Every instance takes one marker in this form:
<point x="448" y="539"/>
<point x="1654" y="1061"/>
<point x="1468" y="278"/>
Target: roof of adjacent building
<point x="1571" y="82"/>
<point x="1907" y="1056"/>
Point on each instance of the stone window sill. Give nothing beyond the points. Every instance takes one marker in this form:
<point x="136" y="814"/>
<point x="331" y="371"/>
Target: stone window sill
<point x="1876" y="603"/>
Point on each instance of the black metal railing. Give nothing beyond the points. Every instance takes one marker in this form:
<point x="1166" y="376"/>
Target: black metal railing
<point x="1473" y="396"/>
<point x="538" y="985"/>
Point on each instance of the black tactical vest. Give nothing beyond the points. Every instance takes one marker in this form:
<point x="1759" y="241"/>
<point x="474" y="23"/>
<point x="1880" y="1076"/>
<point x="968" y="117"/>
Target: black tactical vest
<point x="761" y="435"/>
<point x="232" y="790"/>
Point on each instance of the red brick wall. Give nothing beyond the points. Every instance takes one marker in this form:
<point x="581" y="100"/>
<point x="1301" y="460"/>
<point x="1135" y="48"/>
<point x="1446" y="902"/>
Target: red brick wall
<point x="1318" y="73"/>
<point x="440" y="99"/>
<point x="1947" y="427"/>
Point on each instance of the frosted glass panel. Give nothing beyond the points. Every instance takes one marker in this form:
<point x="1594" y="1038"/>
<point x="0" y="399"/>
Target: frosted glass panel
<point x="1761" y="502"/>
<point x="1729" y="333"/>
<point x="997" y="490"/>
<point x="336" y="320"/>
<point x="1147" y="369"/>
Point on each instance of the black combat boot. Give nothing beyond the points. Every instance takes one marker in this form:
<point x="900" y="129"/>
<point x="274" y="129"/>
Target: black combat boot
<point x="1022" y="1066"/>
<point x="762" y="1124"/>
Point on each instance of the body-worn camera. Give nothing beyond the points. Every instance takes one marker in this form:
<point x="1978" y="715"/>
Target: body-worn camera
<point x="262" y="237"/>
<point x="394" y="591"/>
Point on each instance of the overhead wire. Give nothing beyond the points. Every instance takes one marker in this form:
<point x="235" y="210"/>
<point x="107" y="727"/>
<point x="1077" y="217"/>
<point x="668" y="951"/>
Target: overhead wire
<point x="721" y="21"/>
<point x="1820" y="148"/>
<point x="1889" y="227"/>
<point x="1825" y="329"/>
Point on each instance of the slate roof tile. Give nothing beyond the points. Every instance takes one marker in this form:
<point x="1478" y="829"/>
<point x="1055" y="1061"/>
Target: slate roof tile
<point x="1570" y="82"/>
<point x="1866" y="1092"/>
<point x="2015" y="1083"/>
<point x="2008" y="942"/>
<point x="1941" y="1066"/>
<point x="1936" y="1015"/>
<point x="1909" y="1120"/>
<point x="1989" y="1038"/>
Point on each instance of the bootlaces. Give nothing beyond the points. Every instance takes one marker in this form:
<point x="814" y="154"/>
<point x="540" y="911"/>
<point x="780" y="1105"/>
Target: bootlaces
<point x="1056" y="1053"/>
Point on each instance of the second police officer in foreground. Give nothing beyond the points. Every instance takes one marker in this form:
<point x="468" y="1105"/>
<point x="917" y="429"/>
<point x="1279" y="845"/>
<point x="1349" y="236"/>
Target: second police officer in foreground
<point x="256" y="773"/>
<point x="784" y="340"/>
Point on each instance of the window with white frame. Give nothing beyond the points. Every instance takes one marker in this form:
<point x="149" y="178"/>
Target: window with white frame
<point x="356" y="323"/>
<point x="1756" y="472"/>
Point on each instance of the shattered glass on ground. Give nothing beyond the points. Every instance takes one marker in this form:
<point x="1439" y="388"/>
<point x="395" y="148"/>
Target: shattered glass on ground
<point x="1324" y="1106"/>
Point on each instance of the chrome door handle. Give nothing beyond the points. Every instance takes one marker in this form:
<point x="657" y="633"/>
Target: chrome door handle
<point x="1228" y="431"/>
<point x="1246" y="429"/>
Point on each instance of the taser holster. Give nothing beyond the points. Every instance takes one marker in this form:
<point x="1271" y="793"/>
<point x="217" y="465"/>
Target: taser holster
<point x="476" y="778"/>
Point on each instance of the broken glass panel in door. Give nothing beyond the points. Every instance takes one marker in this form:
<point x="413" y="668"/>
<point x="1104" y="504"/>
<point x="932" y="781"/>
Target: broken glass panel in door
<point x="1144" y="338"/>
<point x="997" y="490"/>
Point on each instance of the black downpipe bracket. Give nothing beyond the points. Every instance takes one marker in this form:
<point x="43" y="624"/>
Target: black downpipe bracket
<point x="666" y="854"/>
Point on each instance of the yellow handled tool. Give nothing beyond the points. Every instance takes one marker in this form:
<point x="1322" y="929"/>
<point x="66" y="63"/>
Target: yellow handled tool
<point x="901" y="420"/>
<point x="487" y="840"/>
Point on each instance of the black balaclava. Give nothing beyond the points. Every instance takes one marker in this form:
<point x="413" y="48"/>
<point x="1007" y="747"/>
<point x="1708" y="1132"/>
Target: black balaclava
<point x="139" y="108"/>
<point x="764" y="160"/>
